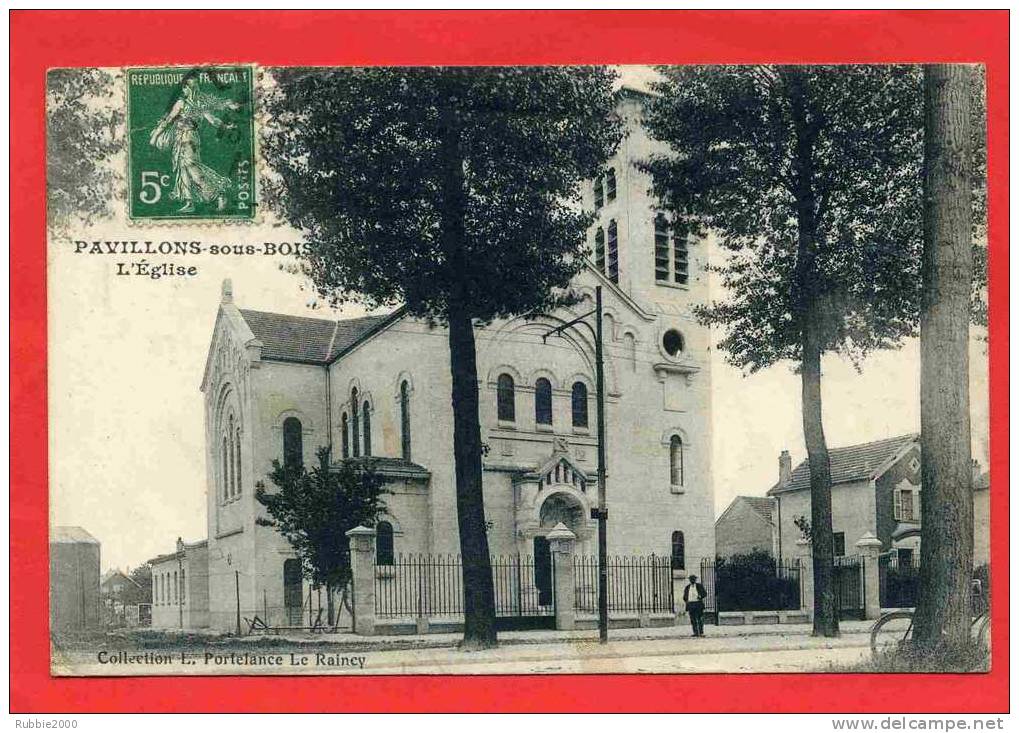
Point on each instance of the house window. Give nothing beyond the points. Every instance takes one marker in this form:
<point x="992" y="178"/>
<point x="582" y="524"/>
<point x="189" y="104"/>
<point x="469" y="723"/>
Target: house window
<point x="678" y="551"/>
<point x="676" y="460"/>
<point x="661" y="249"/>
<point x="355" y="424"/>
<point x="579" y="400"/>
<point x="599" y="249"/>
<point x="906" y="500"/>
<point x="613" y="254"/>
<point x="345" y="435"/>
<point x="405" y="420"/>
<point x="610" y="184"/>
<point x="367" y="429"/>
<point x="384" y="544"/>
<point x="905" y="557"/>
<point x="506" y="399"/>
<point x="183" y="586"/>
<point x="839" y="544"/>
<point x="906" y="505"/>
<point x="293" y="443"/>
<point x="543" y="402"/>
<point x="176" y="592"/>
<point x="599" y="194"/>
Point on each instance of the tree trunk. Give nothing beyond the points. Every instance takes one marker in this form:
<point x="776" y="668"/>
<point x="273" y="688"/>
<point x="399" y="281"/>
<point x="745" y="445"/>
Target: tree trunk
<point x="810" y="315"/>
<point x="330" y="607"/>
<point x="479" y="593"/>
<point x="946" y="552"/>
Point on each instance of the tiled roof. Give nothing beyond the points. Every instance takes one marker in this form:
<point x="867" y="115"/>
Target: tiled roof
<point x="851" y="463"/>
<point x="303" y="339"/>
<point x="760" y="504"/>
<point x="71" y="534"/>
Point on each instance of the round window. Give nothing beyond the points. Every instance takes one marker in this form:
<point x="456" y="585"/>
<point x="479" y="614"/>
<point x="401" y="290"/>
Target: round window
<point x="672" y="342"/>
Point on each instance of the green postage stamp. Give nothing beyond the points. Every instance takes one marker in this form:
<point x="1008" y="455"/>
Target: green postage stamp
<point x="191" y="151"/>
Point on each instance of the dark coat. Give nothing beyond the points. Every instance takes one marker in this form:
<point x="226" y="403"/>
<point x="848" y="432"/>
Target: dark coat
<point x="701" y="593"/>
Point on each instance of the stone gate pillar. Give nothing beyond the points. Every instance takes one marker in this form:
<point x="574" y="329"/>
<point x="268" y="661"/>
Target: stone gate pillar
<point x="805" y="553"/>
<point x="362" y="567"/>
<point x="562" y="543"/>
<point x="869" y="548"/>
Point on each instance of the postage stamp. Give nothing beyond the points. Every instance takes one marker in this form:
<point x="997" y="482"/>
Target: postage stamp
<point x="191" y="143"/>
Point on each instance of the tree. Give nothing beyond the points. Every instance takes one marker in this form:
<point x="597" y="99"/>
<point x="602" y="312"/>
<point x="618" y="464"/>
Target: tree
<point x="81" y="136"/>
<point x="142" y="575"/>
<point x="946" y="553"/>
<point x="454" y="192"/>
<point x="809" y="176"/>
<point x="313" y="510"/>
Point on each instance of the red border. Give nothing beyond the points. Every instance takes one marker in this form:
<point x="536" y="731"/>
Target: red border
<point x="42" y="39"/>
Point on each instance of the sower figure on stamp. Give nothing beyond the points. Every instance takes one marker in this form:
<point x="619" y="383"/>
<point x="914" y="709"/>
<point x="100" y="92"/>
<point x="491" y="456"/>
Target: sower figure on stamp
<point x="178" y="131"/>
<point x="694" y="595"/>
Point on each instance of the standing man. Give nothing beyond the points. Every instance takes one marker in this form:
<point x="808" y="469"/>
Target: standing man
<point x="694" y="595"/>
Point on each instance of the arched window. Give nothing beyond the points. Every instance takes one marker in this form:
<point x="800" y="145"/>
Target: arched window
<point x="293" y="443"/>
<point x="680" y="258"/>
<point x="226" y="470"/>
<point x="506" y="398"/>
<point x="367" y="428"/>
<point x="183" y="587"/>
<point x="384" y="544"/>
<point x="345" y="435"/>
<point x="599" y="195"/>
<point x="155" y="589"/>
<point x="610" y="185"/>
<point x="676" y="460"/>
<point x="237" y="458"/>
<point x="232" y="462"/>
<point x="176" y="592"/>
<point x="405" y="420"/>
<point x="613" y="255"/>
<point x="163" y="583"/>
<point x="579" y="404"/>
<point x="355" y="425"/>
<point x="543" y="402"/>
<point x="678" y="551"/>
<point x="599" y="249"/>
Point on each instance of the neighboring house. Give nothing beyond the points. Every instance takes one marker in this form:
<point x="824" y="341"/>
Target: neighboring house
<point x="279" y="387"/>
<point x="876" y="488"/>
<point x="74" y="580"/>
<point x="180" y="587"/>
<point x="748" y="524"/>
<point x="118" y="591"/>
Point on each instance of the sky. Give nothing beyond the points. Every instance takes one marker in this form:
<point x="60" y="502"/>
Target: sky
<point x="127" y="418"/>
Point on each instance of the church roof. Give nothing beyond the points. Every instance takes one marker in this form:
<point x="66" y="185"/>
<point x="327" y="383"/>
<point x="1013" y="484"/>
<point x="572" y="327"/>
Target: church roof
<point x="850" y="463"/>
<point x="304" y="339"/>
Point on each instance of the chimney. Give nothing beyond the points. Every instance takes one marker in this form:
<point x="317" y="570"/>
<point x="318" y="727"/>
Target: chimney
<point x="785" y="467"/>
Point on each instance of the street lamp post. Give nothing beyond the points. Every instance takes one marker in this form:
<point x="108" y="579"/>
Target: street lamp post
<point x="601" y="511"/>
<point x="180" y="581"/>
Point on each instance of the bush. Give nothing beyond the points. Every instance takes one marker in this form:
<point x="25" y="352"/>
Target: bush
<point x="754" y="582"/>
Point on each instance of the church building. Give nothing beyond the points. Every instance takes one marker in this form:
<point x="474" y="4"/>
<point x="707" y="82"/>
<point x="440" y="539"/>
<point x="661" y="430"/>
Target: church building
<point x="378" y="388"/>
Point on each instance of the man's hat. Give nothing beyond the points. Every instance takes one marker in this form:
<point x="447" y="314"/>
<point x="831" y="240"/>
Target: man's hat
<point x="693" y="577"/>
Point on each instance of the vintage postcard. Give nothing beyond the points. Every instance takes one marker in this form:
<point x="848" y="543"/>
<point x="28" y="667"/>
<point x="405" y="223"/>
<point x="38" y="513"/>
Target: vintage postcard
<point x="512" y="360"/>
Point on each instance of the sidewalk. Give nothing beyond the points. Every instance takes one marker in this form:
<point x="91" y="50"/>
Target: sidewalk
<point x="759" y="632"/>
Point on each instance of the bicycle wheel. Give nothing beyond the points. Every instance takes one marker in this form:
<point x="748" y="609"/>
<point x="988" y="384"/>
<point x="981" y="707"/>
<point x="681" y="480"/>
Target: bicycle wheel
<point x="891" y="631"/>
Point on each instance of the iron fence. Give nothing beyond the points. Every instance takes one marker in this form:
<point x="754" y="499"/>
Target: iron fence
<point x="635" y="584"/>
<point x="898" y="580"/>
<point x="431" y="586"/>
<point x="849" y="587"/>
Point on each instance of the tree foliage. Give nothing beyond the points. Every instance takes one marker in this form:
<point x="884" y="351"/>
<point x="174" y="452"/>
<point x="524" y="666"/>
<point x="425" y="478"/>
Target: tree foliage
<point x="358" y="162"/>
<point x="314" y="509"/>
<point x="82" y="135"/>
<point x="736" y="176"/>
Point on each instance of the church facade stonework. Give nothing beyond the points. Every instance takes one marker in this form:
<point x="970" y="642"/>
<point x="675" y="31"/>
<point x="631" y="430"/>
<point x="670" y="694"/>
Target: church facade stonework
<point x="378" y="387"/>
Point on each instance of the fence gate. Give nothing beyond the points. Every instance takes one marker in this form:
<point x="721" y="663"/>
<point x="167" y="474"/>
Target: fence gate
<point x="899" y="580"/>
<point x="708" y="581"/>
<point x="524" y="597"/>
<point x="849" y="586"/>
